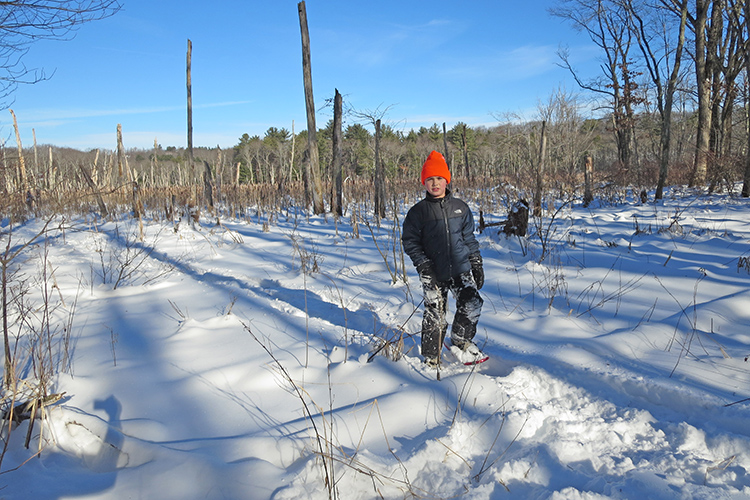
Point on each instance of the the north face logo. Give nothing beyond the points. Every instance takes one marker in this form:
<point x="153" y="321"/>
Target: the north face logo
<point x="457" y="211"/>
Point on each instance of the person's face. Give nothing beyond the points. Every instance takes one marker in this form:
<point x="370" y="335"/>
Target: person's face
<point x="436" y="186"/>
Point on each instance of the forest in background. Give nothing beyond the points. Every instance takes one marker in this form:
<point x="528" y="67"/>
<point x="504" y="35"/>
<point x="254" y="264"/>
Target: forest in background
<point x="267" y="171"/>
<point x="670" y="105"/>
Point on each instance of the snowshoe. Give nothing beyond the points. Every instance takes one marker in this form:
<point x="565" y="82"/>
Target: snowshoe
<point x="468" y="353"/>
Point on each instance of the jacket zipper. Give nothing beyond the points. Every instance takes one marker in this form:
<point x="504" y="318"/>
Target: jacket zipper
<point x="448" y="237"/>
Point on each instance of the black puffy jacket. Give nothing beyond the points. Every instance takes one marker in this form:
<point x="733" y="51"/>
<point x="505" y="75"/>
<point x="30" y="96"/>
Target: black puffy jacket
<point x="441" y="230"/>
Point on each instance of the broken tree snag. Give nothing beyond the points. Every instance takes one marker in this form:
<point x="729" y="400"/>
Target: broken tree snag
<point x="337" y="162"/>
<point x="208" y="184"/>
<point x="95" y="190"/>
<point x="120" y="151"/>
<point x="445" y="148"/>
<point x="588" y="173"/>
<point x="518" y="219"/>
<point x="313" y="183"/>
<point x="466" y="154"/>
<point x="517" y="223"/>
<point x="539" y="185"/>
<point x="22" y="181"/>
<point x="189" y="84"/>
<point x="379" y="176"/>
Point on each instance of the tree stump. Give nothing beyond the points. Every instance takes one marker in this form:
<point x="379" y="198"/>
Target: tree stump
<point x="518" y="219"/>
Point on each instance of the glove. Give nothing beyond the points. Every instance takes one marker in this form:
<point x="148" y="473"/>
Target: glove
<point x="477" y="270"/>
<point x="427" y="274"/>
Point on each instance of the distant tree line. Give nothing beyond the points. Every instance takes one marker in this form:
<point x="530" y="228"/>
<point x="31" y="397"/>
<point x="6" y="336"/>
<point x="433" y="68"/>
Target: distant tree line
<point x="670" y="106"/>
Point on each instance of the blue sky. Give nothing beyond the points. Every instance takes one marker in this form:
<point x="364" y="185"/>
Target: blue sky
<point x="424" y="62"/>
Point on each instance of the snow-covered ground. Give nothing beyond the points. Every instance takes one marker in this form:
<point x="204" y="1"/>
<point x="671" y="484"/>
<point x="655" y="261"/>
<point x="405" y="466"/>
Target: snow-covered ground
<point x="229" y="362"/>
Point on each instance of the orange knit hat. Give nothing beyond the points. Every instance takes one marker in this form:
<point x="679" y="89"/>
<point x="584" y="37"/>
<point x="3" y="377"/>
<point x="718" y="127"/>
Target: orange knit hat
<point x="435" y="166"/>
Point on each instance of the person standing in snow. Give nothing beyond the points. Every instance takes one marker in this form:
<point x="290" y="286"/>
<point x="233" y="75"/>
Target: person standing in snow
<point x="438" y="237"/>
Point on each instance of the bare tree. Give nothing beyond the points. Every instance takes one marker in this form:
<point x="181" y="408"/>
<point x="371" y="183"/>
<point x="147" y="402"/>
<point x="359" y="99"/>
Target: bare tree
<point x="604" y="22"/>
<point x="719" y="50"/>
<point x="23" y="22"/>
<point x="375" y="117"/>
<point x="729" y="65"/>
<point x="314" y="188"/>
<point x="742" y="9"/>
<point x="568" y="140"/>
<point x="703" y="23"/>
<point x="662" y="51"/>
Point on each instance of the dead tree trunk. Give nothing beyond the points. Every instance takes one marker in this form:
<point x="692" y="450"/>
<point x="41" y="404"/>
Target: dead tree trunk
<point x="190" y="106"/>
<point x="208" y="185"/>
<point x="588" y="173"/>
<point x="466" y="154"/>
<point x="337" y="198"/>
<point x="313" y="185"/>
<point x="379" y="176"/>
<point x="95" y="190"/>
<point x="137" y="202"/>
<point x="539" y="185"/>
<point x="291" y="157"/>
<point x="138" y="207"/>
<point x="36" y="155"/>
<point x="518" y="219"/>
<point x="120" y="151"/>
<point x="445" y="147"/>
<point x="21" y="164"/>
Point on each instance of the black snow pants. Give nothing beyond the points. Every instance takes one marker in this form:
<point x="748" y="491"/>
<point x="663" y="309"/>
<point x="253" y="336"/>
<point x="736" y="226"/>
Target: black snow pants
<point x="468" y="308"/>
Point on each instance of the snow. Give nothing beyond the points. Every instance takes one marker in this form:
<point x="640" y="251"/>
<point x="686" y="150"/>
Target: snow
<point x="236" y="361"/>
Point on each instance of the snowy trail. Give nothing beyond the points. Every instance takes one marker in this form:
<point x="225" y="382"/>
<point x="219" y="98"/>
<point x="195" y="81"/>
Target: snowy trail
<point x="173" y="398"/>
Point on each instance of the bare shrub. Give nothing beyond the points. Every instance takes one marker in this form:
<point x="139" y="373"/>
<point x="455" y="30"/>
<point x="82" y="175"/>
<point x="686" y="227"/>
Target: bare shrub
<point x="124" y="260"/>
<point x="41" y="335"/>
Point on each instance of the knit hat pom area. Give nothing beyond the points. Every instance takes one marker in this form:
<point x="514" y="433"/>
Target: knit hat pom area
<point x="435" y="166"/>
